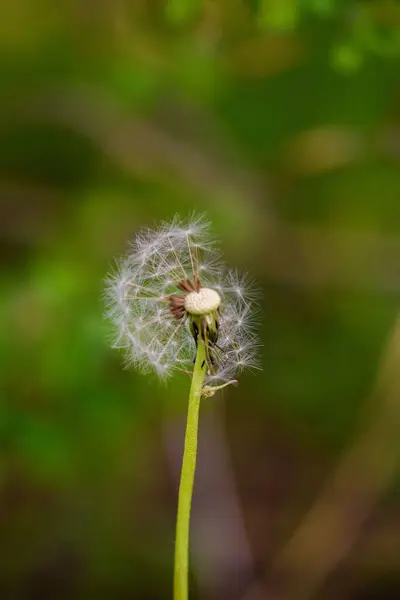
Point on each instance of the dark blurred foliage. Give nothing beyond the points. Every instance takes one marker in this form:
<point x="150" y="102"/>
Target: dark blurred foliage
<point x="280" y="120"/>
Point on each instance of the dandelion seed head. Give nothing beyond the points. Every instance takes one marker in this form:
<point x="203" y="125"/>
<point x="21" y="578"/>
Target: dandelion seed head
<point x="170" y="273"/>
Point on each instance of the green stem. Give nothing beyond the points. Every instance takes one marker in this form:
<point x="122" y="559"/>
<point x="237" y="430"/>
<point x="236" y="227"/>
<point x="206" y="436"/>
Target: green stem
<point x="187" y="478"/>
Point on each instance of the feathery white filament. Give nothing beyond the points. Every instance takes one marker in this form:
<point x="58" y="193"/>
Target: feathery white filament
<point x="138" y="302"/>
<point x="202" y="302"/>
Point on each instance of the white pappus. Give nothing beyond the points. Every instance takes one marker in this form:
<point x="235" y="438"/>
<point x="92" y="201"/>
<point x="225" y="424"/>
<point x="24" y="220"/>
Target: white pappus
<point x="172" y="288"/>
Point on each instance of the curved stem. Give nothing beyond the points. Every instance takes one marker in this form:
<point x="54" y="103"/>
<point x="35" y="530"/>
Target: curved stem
<point x="187" y="478"/>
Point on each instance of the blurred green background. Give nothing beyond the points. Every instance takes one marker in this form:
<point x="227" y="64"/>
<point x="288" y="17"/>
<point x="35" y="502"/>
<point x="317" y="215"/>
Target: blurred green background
<point x="281" y="121"/>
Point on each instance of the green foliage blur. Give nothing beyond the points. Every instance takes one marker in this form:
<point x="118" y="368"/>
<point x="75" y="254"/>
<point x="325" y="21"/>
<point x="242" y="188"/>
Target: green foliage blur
<point x="279" y="120"/>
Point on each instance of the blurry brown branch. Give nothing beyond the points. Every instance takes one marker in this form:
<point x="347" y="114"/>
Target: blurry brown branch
<point x="348" y="499"/>
<point x="188" y="146"/>
<point x="141" y="145"/>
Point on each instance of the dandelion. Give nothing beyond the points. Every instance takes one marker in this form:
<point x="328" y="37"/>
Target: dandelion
<point x="176" y="307"/>
<point x="172" y="289"/>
